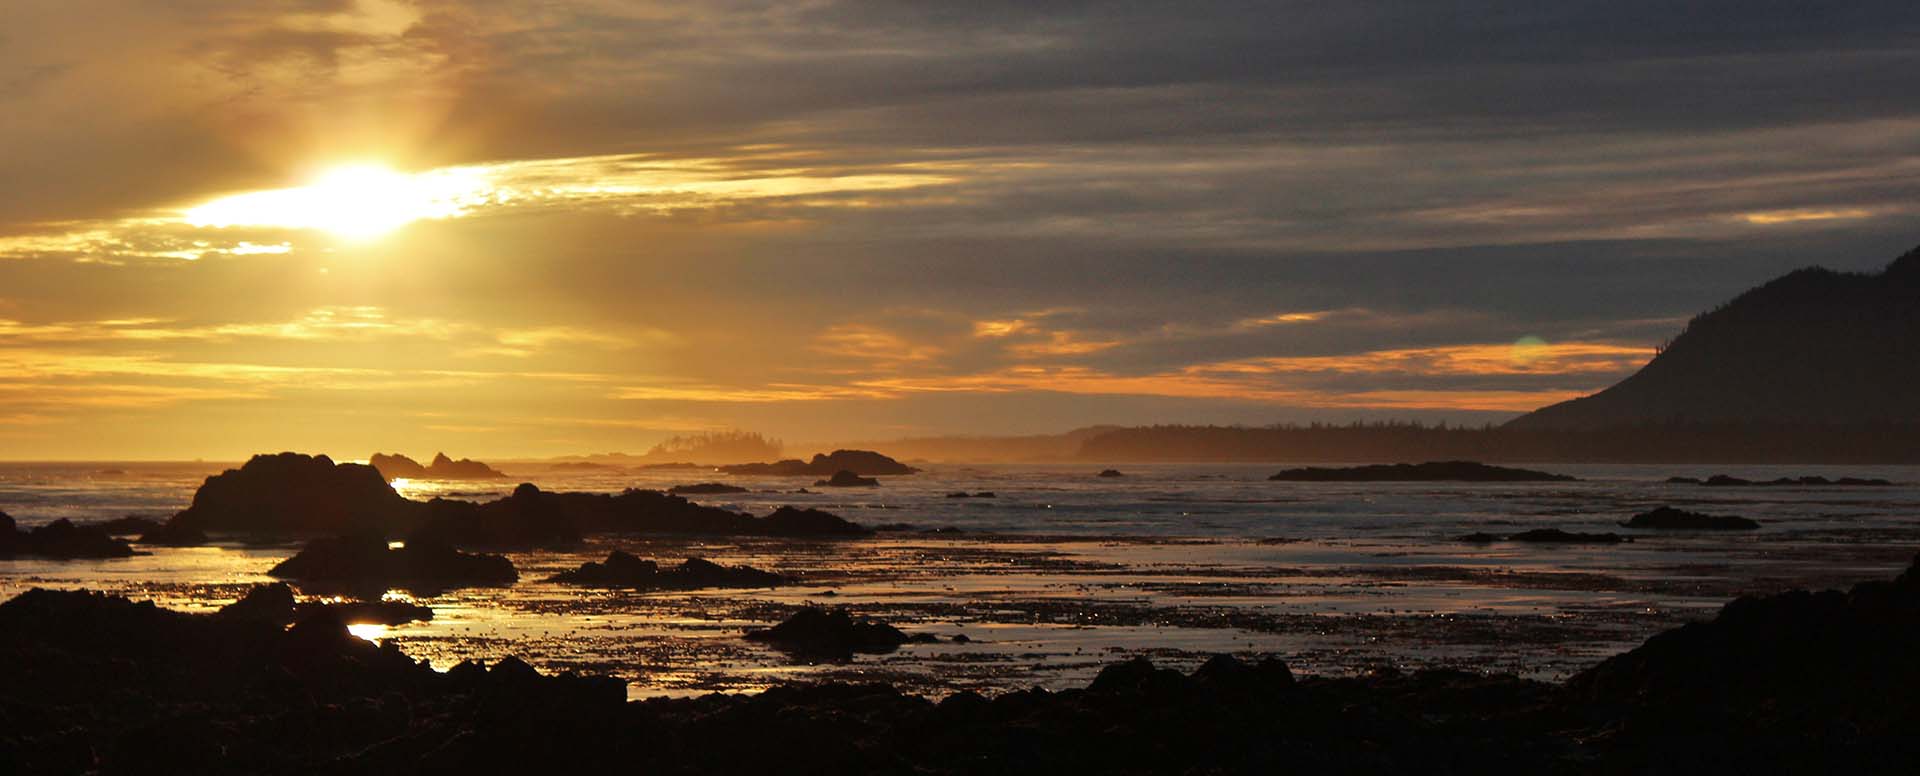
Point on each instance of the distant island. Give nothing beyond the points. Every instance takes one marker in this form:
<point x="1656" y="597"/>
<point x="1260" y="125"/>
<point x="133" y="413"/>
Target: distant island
<point x="396" y="466"/>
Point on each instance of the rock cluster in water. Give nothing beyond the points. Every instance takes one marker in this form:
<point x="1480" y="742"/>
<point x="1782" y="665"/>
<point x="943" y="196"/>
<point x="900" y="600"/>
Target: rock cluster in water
<point x="60" y="540"/>
<point x="293" y="496"/>
<point x="1729" y="481"/>
<point x="1432" y="471"/>
<point x="861" y="462"/>
<point x="1797" y="682"/>
<point x="622" y="569"/>
<point x="1671" y="519"/>
<point x="1548" y="536"/>
<point x="398" y="466"/>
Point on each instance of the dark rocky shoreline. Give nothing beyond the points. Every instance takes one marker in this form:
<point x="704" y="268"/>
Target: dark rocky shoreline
<point x="1795" y="682"/>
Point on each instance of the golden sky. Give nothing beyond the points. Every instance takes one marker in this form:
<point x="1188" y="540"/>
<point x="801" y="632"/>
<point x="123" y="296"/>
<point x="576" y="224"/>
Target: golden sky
<point x="528" y="228"/>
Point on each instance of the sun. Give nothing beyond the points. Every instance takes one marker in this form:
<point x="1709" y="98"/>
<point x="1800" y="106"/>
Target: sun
<point x="355" y="202"/>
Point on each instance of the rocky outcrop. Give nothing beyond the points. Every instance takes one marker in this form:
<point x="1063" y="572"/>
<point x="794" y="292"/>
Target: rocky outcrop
<point x="368" y="562"/>
<point x="847" y="479"/>
<point x="59" y="540"/>
<point x="398" y="466"/>
<point x="1671" y="519"/>
<point x="1432" y="471"/>
<point x="1547" y="536"/>
<point x="130" y="525"/>
<point x="1110" y="473"/>
<point x="1786" y="678"/>
<point x="861" y="462"/>
<point x="705" y="488"/>
<point x="531" y="517"/>
<point x="292" y="495"/>
<point x="1729" y="481"/>
<point x="621" y="569"/>
<point x="830" y="634"/>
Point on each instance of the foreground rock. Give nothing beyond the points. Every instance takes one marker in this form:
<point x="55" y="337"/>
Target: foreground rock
<point x="862" y="462"/>
<point x="1548" y="536"/>
<point x="1729" y="481"/>
<point x="847" y="479"/>
<point x="398" y="466"/>
<point x="1671" y="519"/>
<point x="1432" y="471"/>
<point x="621" y="569"/>
<point x="1792" y="683"/>
<point x="59" y="540"/>
<point x="292" y="495"/>
<point x="705" y="488"/>
<point x="830" y="634"/>
<point x="359" y="562"/>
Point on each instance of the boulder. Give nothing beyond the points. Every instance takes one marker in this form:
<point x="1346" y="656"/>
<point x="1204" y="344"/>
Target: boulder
<point x="830" y="633"/>
<point x="847" y="479"/>
<point x="1110" y="473"/>
<point x="621" y="569"/>
<point x="290" y="495"/>
<point x="272" y="603"/>
<point x="1671" y="519"/>
<point x="368" y="562"/>
<point x="705" y="488"/>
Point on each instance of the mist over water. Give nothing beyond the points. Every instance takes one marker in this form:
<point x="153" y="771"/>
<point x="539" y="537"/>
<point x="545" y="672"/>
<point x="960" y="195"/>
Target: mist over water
<point x="1062" y="572"/>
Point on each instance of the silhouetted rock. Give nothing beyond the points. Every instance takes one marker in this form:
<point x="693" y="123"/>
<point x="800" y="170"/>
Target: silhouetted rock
<point x="531" y="517"/>
<point x="382" y="612"/>
<point x="1789" y="679"/>
<point x="1730" y="481"/>
<point x="830" y="633"/>
<point x="1671" y="519"/>
<point x="1811" y="348"/>
<point x="290" y="495"/>
<point x="964" y="494"/>
<point x="704" y="488"/>
<point x="172" y="535"/>
<point x="624" y="570"/>
<point x="1547" y="536"/>
<point x="1432" y="471"/>
<point x="127" y="526"/>
<point x="847" y="479"/>
<point x="60" y="540"/>
<point x="1110" y="473"/>
<point x="398" y="466"/>
<point x="1557" y="536"/>
<point x="368" y="561"/>
<point x="796" y="522"/>
<point x="671" y="465"/>
<point x="862" y="462"/>
<point x="270" y="603"/>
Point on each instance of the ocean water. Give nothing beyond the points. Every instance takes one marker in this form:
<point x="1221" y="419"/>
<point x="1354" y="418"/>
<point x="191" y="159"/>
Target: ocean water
<point x="1062" y="572"/>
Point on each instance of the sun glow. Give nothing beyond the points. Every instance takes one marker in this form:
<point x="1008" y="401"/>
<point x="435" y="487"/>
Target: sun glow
<point x="354" y="202"/>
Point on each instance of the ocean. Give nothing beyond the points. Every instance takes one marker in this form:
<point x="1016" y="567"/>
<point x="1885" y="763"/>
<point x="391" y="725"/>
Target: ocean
<point x="1061" y="572"/>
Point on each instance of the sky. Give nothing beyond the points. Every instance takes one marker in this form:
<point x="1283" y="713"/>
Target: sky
<point x="535" y="228"/>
